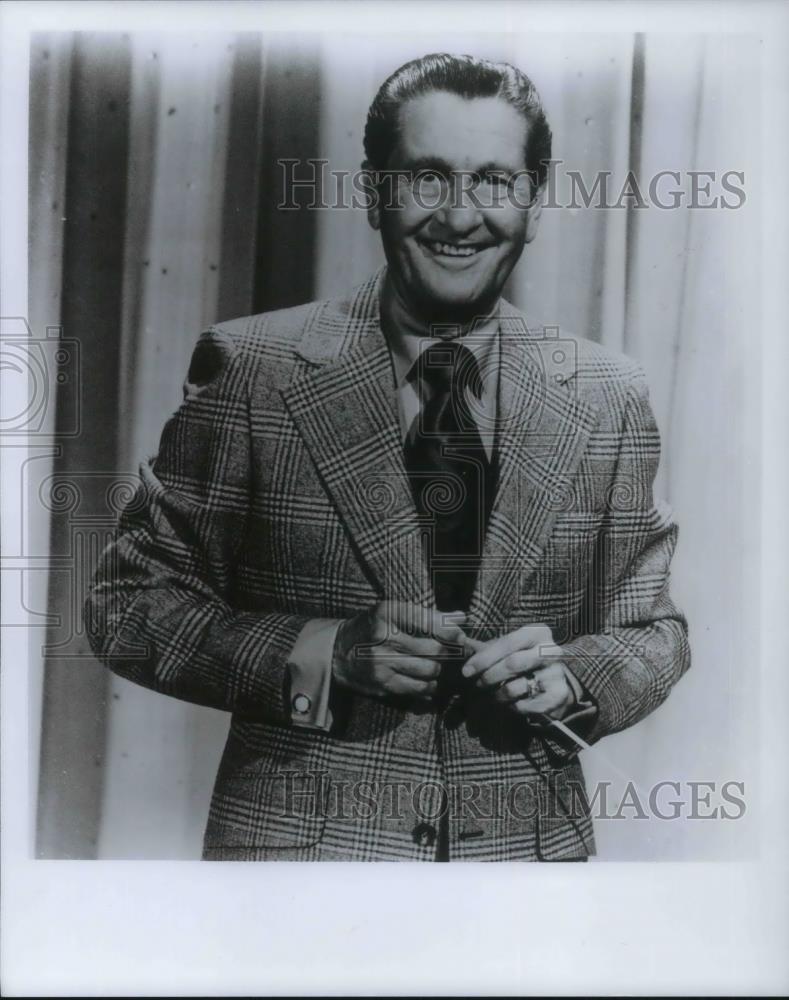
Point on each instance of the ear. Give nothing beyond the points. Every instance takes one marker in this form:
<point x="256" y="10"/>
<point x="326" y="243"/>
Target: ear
<point x="372" y="195"/>
<point x="533" y="213"/>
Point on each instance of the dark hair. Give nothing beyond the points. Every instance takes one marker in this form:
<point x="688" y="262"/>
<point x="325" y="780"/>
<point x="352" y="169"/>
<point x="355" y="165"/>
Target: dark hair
<point x="466" y="76"/>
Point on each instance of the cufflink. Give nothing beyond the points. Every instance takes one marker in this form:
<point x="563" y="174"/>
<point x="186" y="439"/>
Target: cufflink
<point x="301" y="704"/>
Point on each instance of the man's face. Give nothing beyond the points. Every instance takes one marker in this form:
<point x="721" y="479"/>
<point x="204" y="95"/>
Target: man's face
<point x="453" y="236"/>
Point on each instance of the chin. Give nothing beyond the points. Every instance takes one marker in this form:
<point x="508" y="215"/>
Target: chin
<point x="454" y="308"/>
<point x="459" y="298"/>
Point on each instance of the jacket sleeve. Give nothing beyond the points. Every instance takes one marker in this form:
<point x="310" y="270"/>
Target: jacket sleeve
<point x="631" y="645"/>
<point x="160" y="610"/>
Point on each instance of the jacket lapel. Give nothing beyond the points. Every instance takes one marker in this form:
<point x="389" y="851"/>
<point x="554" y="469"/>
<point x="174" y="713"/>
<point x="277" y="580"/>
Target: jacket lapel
<point x="542" y="431"/>
<point x="346" y="411"/>
<point x="345" y="408"/>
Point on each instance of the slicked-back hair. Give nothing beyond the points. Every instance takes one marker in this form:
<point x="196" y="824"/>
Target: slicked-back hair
<point x="468" y="77"/>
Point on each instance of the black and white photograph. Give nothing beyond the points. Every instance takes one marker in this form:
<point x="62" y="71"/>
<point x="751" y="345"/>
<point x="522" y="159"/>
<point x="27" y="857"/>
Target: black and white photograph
<point x="387" y="478"/>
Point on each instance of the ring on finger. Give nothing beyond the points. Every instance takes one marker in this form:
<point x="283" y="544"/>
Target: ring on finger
<point x="534" y="686"/>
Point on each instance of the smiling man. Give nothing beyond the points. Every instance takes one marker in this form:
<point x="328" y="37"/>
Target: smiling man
<point x="409" y="541"/>
<point x="460" y="229"/>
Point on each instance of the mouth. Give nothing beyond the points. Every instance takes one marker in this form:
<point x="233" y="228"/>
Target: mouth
<point x="453" y="251"/>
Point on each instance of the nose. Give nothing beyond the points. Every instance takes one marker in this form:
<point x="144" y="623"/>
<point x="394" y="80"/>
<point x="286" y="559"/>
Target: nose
<point x="460" y="214"/>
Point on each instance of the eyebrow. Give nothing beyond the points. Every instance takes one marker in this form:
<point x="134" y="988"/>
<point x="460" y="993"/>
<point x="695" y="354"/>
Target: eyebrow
<point x="442" y="166"/>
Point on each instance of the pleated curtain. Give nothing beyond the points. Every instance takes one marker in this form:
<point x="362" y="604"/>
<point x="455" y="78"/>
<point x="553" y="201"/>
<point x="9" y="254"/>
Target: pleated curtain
<point x="154" y="185"/>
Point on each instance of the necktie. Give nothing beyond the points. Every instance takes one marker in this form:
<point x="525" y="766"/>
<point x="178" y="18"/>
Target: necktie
<point x="452" y="479"/>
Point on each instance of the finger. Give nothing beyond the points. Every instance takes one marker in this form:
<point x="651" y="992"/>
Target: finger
<point x="491" y="653"/>
<point x="552" y="674"/>
<point x="415" y="645"/>
<point x="517" y="688"/>
<point x="551" y="659"/>
<point x="527" y="637"/>
<point x="471" y="644"/>
<point x="414" y="619"/>
<point x="553" y="702"/>
<point x="418" y="620"/>
<point x="546" y="657"/>
<point x="401" y="685"/>
<point x="521" y="660"/>
<point x="459" y="648"/>
<point x="541" y="705"/>
<point x="415" y="667"/>
<point x="506" y="668"/>
<point x="446" y="626"/>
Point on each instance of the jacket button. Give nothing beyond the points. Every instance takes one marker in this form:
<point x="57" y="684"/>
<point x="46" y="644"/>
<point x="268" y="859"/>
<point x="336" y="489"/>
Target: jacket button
<point x="301" y="704"/>
<point x="424" y="835"/>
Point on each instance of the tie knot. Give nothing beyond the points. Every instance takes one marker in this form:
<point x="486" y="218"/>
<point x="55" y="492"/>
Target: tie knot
<point x="447" y="367"/>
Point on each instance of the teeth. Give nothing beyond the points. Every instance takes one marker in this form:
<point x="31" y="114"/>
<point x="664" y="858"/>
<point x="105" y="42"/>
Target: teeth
<point x="452" y="251"/>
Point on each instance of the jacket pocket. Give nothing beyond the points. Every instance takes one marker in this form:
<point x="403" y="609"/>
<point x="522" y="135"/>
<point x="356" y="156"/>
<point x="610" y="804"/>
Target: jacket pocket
<point x="270" y="790"/>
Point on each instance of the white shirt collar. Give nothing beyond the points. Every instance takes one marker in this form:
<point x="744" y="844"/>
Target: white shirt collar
<point x="407" y="339"/>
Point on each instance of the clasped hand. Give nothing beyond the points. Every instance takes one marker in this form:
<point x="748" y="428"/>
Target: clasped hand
<point x="399" y="649"/>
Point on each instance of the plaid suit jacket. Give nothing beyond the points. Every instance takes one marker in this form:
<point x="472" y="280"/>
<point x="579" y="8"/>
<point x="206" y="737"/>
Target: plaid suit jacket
<point x="279" y="494"/>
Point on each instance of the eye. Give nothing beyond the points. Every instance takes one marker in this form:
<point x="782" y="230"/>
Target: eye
<point x="429" y="177"/>
<point x="496" y="180"/>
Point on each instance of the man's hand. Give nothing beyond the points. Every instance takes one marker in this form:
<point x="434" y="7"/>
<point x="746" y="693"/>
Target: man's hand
<point x="523" y="672"/>
<point x="396" y="649"/>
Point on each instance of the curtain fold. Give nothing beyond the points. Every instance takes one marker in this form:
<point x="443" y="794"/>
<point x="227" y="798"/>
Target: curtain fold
<point x="166" y="152"/>
<point x="50" y="73"/>
<point x="78" y="495"/>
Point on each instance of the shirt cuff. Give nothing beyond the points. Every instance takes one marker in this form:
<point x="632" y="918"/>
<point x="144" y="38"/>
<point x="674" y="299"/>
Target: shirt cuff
<point x="310" y="673"/>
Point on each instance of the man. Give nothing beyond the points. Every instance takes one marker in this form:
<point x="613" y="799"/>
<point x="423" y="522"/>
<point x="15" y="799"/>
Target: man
<point x="407" y="540"/>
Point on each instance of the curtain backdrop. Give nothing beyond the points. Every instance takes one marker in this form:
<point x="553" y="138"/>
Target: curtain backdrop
<point x="153" y="193"/>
